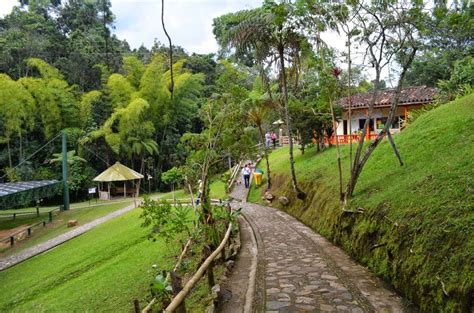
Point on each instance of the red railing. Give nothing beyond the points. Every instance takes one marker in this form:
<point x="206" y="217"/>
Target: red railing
<point x="345" y="139"/>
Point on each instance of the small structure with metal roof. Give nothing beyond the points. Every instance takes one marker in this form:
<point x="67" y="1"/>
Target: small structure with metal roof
<point x="118" y="173"/>
<point x="24" y="193"/>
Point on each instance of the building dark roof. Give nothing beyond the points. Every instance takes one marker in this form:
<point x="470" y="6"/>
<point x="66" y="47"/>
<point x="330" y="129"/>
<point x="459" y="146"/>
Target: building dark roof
<point x="408" y="96"/>
<point x="22" y="193"/>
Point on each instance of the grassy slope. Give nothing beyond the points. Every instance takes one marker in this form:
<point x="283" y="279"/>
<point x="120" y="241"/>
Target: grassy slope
<point x="59" y="224"/>
<point x="422" y="212"/>
<point x="102" y="270"/>
<point x="217" y="191"/>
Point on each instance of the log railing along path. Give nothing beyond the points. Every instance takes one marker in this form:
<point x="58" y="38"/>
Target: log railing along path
<point x="298" y="270"/>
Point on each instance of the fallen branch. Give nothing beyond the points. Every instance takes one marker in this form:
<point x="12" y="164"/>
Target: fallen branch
<point x="198" y="275"/>
<point x="168" y="276"/>
<point x="378" y="246"/>
<point x="442" y="285"/>
<point x="359" y="211"/>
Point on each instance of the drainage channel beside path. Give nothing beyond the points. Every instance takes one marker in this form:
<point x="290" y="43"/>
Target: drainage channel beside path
<point x="49" y="244"/>
<point x="300" y="271"/>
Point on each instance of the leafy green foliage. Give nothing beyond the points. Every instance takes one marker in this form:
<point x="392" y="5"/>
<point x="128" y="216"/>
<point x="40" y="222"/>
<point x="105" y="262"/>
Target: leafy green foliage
<point x="167" y="221"/>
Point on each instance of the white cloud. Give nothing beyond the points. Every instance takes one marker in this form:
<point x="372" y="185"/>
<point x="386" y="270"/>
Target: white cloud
<point x="6" y="6"/>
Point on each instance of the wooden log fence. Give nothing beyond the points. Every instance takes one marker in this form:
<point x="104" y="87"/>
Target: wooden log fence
<point x="180" y="297"/>
<point x="178" y="300"/>
<point x="234" y="174"/>
<point x="29" y="230"/>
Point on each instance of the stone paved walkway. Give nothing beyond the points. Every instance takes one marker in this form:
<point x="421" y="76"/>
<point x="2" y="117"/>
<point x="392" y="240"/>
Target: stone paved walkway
<point x="300" y="271"/>
<point x="47" y="245"/>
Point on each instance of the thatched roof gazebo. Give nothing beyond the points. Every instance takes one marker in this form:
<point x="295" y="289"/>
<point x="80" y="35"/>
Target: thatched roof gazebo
<point x="118" y="173"/>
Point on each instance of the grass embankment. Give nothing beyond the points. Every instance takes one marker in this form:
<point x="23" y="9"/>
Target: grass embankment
<point x="417" y="231"/>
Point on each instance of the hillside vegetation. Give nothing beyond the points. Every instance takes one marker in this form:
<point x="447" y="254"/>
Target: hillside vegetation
<point x="417" y="228"/>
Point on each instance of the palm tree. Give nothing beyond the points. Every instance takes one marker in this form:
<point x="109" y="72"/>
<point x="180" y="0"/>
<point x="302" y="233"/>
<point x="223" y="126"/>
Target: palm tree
<point x="71" y="159"/>
<point x="257" y="115"/>
<point x="140" y="148"/>
<point x="265" y="32"/>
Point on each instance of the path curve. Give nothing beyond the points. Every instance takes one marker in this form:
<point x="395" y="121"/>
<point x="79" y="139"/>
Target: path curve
<point x="301" y="271"/>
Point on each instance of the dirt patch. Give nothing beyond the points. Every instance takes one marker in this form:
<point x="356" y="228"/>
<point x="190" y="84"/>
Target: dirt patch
<point x="8" y="232"/>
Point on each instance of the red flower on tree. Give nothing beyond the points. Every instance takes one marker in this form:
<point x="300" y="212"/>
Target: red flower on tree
<point x="336" y="72"/>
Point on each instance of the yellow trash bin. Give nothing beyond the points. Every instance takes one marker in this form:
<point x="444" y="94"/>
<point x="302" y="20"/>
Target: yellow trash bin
<point x="258" y="178"/>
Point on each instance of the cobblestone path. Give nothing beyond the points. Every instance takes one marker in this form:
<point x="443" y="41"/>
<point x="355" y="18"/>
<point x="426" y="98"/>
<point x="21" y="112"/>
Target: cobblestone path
<point x="47" y="245"/>
<point x="300" y="271"/>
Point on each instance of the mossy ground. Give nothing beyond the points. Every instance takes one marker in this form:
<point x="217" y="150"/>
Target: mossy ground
<point x="421" y="215"/>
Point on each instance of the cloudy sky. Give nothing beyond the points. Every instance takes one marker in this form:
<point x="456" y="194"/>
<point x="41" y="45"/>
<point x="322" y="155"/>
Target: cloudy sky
<point x="189" y="22"/>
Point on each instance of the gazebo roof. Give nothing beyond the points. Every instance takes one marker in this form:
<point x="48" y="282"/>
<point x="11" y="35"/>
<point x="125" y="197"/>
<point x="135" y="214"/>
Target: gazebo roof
<point x="118" y="172"/>
<point x="22" y="193"/>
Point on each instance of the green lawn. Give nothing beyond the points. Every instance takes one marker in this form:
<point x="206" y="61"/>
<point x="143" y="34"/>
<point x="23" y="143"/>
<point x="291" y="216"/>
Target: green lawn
<point x="422" y="213"/>
<point x="59" y="224"/>
<point x="217" y="191"/>
<point x="101" y="270"/>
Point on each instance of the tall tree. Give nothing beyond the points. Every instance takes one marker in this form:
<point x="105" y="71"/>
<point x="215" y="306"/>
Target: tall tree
<point x="270" y="33"/>
<point x="389" y="31"/>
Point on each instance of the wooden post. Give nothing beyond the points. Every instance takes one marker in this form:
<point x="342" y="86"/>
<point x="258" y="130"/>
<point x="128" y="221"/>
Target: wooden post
<point x="50" y="216"/>
<point x="125" y="189"/>
<point x="176" y="284"/>
<point x="14" y="216"/>
<point x="12" y="240"/>
<point x="37" y="210"/>
<point x="108" y="190"/>
<point x="29" y="231"/>
<point x="136" y="306"/>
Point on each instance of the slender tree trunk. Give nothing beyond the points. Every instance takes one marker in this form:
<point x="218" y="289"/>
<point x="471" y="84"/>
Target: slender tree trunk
<point x="356" y="168"/>
<point x="265" y="153"/>
<point x="338" y="152"/>
<point x="172" y="191"/>
<point x="349" y="95"/>
<point x="10" y="163"/>
<point x="394" y="147"/>
<point x="360" y="164"/>
<point x="171" y="87"/>
<point x="21" y="147"/>
<point x="300" y="194"/>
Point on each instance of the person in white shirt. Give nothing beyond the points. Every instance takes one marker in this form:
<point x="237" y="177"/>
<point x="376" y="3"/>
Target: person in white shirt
<point x="268" y="139"/>
<point x="246" y="171"/>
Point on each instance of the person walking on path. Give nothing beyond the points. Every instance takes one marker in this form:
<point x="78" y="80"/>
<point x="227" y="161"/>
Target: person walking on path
<point x="274" y="139"/>
<point x="268" y="139"/>
<point x="246" y="171"/>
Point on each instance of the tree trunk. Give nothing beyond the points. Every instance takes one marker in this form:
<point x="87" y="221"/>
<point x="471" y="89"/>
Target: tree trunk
<point x="299" y="194"/>
<point x="265" y="153"/>
<point x="356" y="165"/>
<point x="394" y="147"/>
<point x="172" y="191"/>
<point x="360" y="164"/>
<point x="171" y="87"/>
<point x="349" y="60"/>
<point x="338" y="152"/>
<point x="9" y="154"/>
